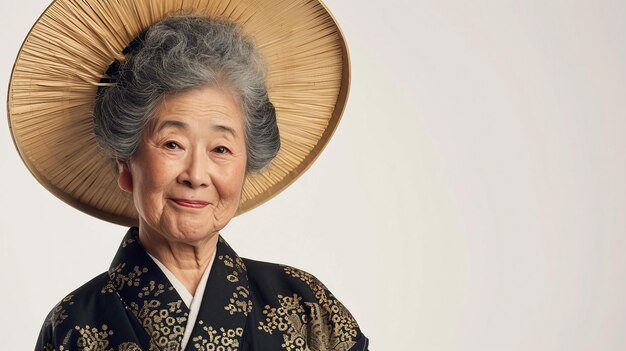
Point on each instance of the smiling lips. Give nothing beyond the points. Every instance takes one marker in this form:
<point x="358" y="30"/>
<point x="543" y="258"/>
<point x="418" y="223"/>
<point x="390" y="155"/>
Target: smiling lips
<point x="190" y="203"/>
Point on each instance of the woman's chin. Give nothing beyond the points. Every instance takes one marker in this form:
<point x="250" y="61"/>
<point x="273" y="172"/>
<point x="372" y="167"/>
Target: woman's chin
<point x="192" y="232"/>
<point x="181" y="229"/>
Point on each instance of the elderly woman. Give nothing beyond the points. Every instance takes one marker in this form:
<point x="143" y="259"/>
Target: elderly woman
<point x="186" y="118"/>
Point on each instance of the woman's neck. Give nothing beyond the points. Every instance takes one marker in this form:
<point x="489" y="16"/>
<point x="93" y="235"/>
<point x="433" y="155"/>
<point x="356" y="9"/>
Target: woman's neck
<point x="187" y="261"/>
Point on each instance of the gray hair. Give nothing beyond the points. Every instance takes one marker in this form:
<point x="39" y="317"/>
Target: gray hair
<point x="181" y="53"/>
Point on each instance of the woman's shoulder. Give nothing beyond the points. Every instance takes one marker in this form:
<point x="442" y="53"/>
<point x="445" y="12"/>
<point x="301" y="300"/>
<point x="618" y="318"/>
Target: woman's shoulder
<point x="79" y="312"/>
<point x="78" y="300"/>
<point x="281" y="277"/>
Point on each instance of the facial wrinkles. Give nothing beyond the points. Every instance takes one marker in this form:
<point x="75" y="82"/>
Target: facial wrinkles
<point x="217" y="119"/>
<point x="196" y="107"/>
<point x="197" y="120"/>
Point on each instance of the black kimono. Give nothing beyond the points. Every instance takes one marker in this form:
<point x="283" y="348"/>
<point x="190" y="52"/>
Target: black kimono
<point x="247" y="305"/>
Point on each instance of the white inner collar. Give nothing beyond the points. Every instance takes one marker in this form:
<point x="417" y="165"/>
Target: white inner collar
<point x="192" y="301"/>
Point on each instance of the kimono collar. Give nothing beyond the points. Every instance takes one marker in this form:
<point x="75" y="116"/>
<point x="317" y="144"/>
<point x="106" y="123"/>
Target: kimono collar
<point x="160" y="311"/>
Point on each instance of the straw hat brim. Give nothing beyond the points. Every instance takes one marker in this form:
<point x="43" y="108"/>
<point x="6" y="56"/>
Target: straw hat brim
<point x="62" y="60"/>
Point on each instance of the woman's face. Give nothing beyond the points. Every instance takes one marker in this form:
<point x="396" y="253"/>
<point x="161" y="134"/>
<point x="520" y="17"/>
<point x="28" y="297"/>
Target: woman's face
<point x="188" y="172"/>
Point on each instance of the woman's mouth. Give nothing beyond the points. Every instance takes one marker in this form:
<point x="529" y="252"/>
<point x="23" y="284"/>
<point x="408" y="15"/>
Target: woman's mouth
<point x="190" y="203"/>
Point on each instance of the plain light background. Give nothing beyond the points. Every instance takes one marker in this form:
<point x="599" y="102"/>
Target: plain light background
<point x="472" y="198"/>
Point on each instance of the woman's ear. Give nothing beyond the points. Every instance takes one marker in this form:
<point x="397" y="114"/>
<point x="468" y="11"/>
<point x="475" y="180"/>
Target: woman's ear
<point x="124" y="177"/>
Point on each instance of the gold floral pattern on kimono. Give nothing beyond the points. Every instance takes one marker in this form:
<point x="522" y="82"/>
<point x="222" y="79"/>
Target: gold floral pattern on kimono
<point x="322" y="325"/>
<point x="163" y="323"/>
<point x="59" y="312"/>
<point x="93" y="339"/>
<point x="239" y="302"/>
<point x="328" y="312"/>
<point x="247" y="305"/>
<point x="214" y="339"/>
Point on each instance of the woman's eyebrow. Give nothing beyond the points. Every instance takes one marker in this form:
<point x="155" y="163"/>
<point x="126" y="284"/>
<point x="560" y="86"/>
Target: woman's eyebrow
<point x="223" y="128"/>
<point x="172" y="123"/>
<point x="182" y="125"/>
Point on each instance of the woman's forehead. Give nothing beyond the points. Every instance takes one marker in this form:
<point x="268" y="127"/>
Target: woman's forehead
<point x="207" y="106"/>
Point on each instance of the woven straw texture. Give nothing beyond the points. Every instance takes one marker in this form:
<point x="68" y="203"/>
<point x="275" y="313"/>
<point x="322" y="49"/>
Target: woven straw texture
<point x="62" y="61"/>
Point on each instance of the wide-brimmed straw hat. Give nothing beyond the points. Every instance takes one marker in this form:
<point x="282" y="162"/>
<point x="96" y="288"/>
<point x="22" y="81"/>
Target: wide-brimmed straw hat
<point x="64" y="57"/>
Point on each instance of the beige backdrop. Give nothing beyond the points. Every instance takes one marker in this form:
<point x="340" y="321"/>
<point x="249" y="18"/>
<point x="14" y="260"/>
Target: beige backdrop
<point x="473" y="197"/>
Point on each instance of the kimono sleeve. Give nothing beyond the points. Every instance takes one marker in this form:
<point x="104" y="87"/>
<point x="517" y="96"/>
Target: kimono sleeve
<point x="53" y="332"/>
<point x="44" y="341"/>
<point x="329" y="324"/>
<point x="332" y="326"/>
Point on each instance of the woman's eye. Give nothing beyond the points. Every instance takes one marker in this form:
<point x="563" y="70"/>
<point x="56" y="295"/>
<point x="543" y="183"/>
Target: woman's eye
<point x="221" y="150"/>
<point x="172" y="145"/>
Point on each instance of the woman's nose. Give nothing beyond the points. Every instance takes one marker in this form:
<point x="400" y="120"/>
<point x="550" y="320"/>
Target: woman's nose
<point x="196" y="171"/>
